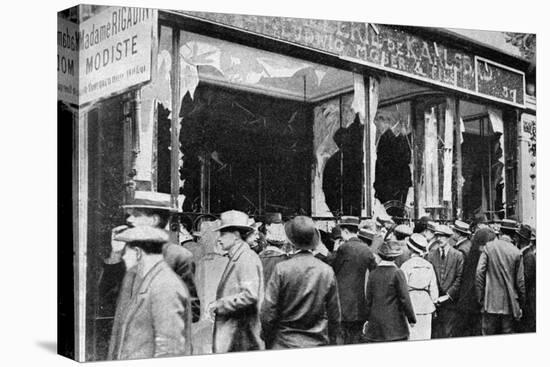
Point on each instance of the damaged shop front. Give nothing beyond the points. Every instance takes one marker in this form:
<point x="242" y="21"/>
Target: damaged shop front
<point x="297" y="116"/>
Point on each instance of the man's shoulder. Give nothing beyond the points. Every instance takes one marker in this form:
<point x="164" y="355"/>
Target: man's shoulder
<point x="166" y="280"/>
<point x="298" y="262"/>
<point x="171" y="250"/>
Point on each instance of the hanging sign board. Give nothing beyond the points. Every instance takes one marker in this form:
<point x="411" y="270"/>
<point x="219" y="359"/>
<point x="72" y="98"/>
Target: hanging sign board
<point x="67" y="61"/>
<point x="115" y="51"/>
<point x="499" y="81"/>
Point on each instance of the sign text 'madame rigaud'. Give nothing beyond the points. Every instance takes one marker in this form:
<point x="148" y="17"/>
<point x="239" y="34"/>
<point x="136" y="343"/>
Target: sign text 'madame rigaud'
<point x="115" y="51"/>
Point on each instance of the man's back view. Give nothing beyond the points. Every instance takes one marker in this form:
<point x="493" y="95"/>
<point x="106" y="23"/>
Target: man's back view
<point x="500" y="286"/>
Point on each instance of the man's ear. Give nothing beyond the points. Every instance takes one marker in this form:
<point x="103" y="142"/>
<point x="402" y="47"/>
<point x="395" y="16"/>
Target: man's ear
<point x="156" y="220"/>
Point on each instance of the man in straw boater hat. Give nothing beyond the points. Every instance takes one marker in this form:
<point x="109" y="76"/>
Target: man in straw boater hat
<point x="448" y="264"/>
<point x="423" y="288"/>
<point x="153" y="315"/>
<point x="528" y="246"/>
<point x="388" y="305"/>
<point x="462" y="237"/>
<point x="351" y="261"/>
<point x="301" y="307"/>
<point x="150" y="209"/>
<point x="240" y="290"/>
<point x="500" y="283"/>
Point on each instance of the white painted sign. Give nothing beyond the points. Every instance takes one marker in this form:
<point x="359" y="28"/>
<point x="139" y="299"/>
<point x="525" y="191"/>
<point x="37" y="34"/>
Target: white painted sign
<point x="115" y="51"/>
<point x="67" y="61"/>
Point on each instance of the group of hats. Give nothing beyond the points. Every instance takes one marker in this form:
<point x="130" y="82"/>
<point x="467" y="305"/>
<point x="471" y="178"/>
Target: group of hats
<point x="524" y="230"/>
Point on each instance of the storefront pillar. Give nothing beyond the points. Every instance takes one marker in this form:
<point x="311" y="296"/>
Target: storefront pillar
<point x="80" y="224"/>
<point x="527" y="169"/>
<point x="174" y="131"/>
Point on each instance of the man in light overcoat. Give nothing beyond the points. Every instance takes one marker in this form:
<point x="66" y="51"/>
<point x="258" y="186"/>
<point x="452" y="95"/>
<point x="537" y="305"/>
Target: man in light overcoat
<point x="240" y="291"/>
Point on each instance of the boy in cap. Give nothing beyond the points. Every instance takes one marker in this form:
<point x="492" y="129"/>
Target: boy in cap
<point x="240" y="290"/>
<point x="350" y="264"/>
<point x="153" y="315"/>
<point x="388" y="305"/>
<point x="448" y="264"/>
<point x="301" y="307"/>
<point x="422" y="283"/>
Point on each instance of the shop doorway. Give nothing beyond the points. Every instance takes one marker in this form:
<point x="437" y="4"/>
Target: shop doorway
<point x="393" y="180"/>
<point x="482" y="161"/>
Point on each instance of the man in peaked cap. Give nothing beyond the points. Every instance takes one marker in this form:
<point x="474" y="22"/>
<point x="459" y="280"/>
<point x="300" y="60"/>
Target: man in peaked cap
<point x="351" y="261"/>
<point x="301" y="307"/>
<point x="146" y="209"/>
<point x="153" y="315"/>
<point x="236" y="310"/>
<point x="462" y="237"/>
<point x="448" y="264"/>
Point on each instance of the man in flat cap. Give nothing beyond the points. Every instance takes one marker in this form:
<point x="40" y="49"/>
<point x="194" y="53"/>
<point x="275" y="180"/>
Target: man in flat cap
<point x="153" y="315"/>
<point x="350" y="264"/>
<point x="236" y="310"/>
<point x="462" y="237"/>
<point x="301" y="307"/>
<point x="448" y="265"/>
<point x="500" y="285"/>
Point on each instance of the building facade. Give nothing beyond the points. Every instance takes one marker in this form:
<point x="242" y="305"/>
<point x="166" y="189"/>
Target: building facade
<point x="299" y="116"/>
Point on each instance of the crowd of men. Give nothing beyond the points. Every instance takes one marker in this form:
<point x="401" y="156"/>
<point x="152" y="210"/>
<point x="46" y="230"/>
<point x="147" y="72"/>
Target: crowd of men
<point x="288" y="284"/>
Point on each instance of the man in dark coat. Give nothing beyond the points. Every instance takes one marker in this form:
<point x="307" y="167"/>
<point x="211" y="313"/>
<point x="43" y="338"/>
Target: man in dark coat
<point x="240" y="291"/>
<point x="153" y="315"/>
<point x="500" y="286"/>
<point x="301" y="306"/>
<point x="350" y="264"/>
<point x="275" y="239"/>
<point x="468" y="321"/>
<point x="448" y="264"/>
<point x="388" y="304"/>
<point x="462" y="237"/>
<point x="528" y="247"/>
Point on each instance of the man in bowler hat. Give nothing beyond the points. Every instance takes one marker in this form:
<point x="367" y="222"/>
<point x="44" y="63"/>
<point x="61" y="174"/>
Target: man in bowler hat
<point x="301" y="307"/>
<point x="350" y="264"/>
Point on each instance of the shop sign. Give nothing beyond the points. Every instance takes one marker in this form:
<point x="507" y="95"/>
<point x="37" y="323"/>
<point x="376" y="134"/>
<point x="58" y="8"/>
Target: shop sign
<point x="67" y="61"/>
<point x="115" y="51"/>
<point x="499" y="81"/>
<point x="388" y="48"/>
